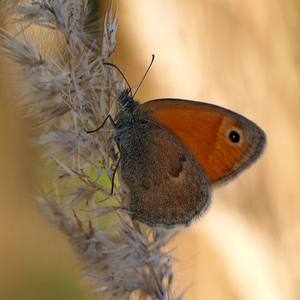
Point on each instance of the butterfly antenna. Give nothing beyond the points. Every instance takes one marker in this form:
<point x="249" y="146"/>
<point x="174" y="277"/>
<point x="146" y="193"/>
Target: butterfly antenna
<point x="144" y="75"/>
<point x="112" y="65"/>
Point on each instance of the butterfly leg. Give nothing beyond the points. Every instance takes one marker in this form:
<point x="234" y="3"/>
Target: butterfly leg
<point x="114" y="174"/>
<point x="108" y="117"/>
<point x="114" y="125"/>
<point x="115" y="170"/>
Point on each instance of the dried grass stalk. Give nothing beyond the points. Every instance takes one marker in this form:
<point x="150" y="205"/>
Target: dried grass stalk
<point x="67" y="90"/>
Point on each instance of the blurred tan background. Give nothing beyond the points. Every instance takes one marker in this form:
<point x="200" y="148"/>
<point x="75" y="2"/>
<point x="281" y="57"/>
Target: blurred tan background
<point x="242" y="55"/>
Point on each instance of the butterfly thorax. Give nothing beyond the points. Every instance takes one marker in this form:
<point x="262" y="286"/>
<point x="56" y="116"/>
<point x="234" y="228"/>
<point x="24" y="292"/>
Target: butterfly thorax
<point x="129" y="114"/>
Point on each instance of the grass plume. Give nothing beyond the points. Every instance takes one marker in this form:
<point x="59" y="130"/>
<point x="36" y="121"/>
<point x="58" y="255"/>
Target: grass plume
<point x="67" y="91"/>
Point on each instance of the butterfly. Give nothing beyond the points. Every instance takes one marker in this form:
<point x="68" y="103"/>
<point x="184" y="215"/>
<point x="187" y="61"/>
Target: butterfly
<point x="173" y="152"/>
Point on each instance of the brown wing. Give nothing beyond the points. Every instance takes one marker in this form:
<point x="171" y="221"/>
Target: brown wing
<point x="167" y="185"/>
<point x="206" y="130"/>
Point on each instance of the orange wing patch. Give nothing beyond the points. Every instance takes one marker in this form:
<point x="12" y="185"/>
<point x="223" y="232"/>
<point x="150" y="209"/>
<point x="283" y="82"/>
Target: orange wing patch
<point x="204" y="129"/>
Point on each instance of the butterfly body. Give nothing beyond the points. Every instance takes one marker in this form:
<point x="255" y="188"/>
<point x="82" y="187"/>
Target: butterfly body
<point x="173" y="152"/>
<point x="164" y="179"/>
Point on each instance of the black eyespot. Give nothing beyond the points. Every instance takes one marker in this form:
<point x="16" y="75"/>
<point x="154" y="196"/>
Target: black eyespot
<point x="234" y="136"/>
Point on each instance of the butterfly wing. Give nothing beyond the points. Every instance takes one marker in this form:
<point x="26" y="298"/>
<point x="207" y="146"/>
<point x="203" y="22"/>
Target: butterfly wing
<point x="167" y="186"/>
<point x="223" y="142"/>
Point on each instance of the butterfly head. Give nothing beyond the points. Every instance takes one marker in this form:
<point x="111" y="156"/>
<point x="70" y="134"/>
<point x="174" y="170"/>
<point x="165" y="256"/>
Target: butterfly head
<point x="125" y="100"/>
